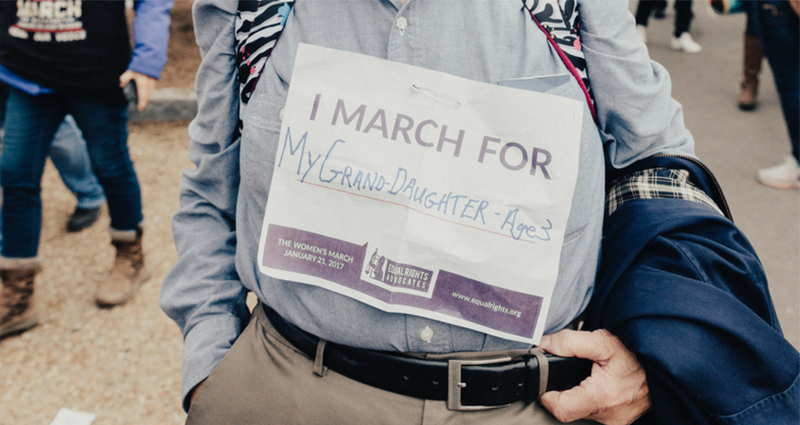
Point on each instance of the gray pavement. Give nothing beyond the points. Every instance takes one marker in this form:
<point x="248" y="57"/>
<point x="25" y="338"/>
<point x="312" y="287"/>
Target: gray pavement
<point x="736" y="144"/>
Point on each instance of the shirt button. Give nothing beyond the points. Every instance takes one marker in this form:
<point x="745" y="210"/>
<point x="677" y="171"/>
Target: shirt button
<point x="426" y="334"/>
<point x="280" y="114"/>
<point x="401" y="23"/>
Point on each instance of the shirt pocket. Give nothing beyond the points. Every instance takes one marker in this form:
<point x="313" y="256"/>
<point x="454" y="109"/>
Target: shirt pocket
<point x="264" y="113"/>
<point x="563" y="85"/>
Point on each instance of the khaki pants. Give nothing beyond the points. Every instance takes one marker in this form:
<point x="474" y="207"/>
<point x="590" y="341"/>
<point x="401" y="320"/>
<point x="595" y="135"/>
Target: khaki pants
<point x="264" y="380"/>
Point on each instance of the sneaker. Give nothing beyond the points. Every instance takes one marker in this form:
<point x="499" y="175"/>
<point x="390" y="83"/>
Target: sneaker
<point x="642" y="30"/>
<point x="685" y="43"/>
<point x="783" y="176"/>
<point x="82" y="218"/>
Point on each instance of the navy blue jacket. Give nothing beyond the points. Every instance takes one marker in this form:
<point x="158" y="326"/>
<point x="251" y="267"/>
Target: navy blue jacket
<point x="682" y="287"/>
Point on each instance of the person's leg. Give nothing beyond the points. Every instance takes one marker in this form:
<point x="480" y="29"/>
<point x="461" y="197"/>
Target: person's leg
<point x="751" y="64"/>
<point x="683" y="16"/>
<point x="71" y="159"/>
<point x="642" y="17"/>
<point x="105" y="129"/>
<point x="659" y="10"/>
<point x="643" y="12"/>
<point x="779" y="30"/>
<point x="681" y="38"/>
<point x="30" y="124"/>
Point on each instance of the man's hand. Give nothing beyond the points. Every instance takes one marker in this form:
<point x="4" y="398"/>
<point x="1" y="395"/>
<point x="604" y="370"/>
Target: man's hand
<point x="615" y="394"/>
<point x="145" y="85"/>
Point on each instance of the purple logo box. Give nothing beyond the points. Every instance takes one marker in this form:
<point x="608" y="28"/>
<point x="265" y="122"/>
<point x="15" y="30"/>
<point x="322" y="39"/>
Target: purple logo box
<point x="456" y="296"/>
<point x="398" y="275"/>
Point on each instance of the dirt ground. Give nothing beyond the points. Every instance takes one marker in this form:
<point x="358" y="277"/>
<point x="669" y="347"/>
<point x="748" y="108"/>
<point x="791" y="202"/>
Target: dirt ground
<point x="122" y="364"/>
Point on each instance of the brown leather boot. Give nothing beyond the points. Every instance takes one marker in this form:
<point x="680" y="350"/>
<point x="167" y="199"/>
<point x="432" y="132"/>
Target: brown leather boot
<point x="17" y="309"/>
<point x="753" y="57"/>
<point x="128" y="272"/>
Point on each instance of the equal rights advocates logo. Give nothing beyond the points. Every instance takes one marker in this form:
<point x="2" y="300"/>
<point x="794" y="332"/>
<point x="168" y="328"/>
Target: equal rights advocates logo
<point x="399" y="275"/>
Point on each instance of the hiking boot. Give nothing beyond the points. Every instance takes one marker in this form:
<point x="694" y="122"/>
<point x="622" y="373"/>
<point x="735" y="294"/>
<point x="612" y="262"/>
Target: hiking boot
<point x="782" y="176"/>
<point x="82" y="218"/>
<point x="128" y="272"/>
<point x="753" y="57"/>
<point x="17" y="310"/>
<point x="685" y="43"/>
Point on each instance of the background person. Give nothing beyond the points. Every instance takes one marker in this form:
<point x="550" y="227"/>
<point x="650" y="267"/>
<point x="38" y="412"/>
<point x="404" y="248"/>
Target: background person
<point x="753" y="56"/>
<point x="681" y="38"/>
<point x="777" y="25"/>
<point x="69" y="156"/>
<point x="84" y="63"/>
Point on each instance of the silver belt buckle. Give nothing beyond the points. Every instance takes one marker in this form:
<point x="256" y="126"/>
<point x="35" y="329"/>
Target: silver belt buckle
<point x="454" y="384"/>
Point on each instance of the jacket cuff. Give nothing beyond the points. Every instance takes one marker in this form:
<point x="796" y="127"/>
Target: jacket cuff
<point x="777" y="409"/>
<point x="141" y="67"/>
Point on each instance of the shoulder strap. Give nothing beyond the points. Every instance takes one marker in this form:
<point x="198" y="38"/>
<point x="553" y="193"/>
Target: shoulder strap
<point x="259" y="24"/>
<point x="562" y="26"/>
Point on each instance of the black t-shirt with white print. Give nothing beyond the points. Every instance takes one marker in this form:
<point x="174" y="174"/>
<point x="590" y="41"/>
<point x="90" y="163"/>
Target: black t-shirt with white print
<point x="76" y="47"/>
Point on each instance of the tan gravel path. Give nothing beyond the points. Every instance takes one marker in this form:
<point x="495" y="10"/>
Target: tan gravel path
<point x="121" y="364"/>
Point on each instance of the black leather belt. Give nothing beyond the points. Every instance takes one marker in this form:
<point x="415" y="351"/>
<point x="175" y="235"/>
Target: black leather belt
<point x="466" y="384"/>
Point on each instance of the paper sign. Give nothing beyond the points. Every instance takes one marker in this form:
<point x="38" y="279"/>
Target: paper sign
<point x="422" y="193"/>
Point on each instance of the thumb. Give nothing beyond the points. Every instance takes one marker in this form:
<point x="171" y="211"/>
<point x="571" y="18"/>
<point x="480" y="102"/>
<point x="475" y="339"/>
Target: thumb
<point x="596" y="346"/>
<point x="571" y="405"/>
<point x="125" y="78"/>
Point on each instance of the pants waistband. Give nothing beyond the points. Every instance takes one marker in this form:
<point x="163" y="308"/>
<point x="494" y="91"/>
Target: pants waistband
<point x="466" y="382"/>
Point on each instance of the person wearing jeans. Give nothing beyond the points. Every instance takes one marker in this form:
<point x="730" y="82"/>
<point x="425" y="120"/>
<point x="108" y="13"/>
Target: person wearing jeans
<point x="25" y="149"/>
<point x="778" y="25"/>
<point x="71" y="159"/>
<point x="78" y="63"/>
<point x="69" y="156"/>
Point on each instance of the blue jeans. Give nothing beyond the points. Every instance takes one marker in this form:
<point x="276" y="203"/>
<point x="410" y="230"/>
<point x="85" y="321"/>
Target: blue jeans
<point x="31" y="123"/>
<point x="779" y="29"/>
<point x="751" y="24"/>
<point x="71" y="159"/>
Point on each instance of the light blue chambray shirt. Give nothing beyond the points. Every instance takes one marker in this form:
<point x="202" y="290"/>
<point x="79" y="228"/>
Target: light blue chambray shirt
<point x="222" y="202"/>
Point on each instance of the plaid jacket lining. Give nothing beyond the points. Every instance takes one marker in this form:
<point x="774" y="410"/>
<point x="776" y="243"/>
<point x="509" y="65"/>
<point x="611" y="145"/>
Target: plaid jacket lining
<point x="656" y="183"/>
